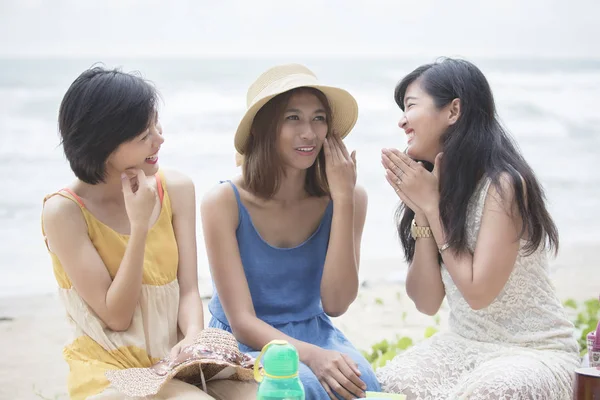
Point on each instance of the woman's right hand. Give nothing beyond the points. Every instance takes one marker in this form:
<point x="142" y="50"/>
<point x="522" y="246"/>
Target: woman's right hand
<point x="140" y="198"/>
<point x="337" y="373"/>
<point x="393" y="173"/>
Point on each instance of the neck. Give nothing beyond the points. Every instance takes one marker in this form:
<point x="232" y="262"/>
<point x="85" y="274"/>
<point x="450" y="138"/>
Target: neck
<point x="111" y="190"/>
<point x="291" y="187"/>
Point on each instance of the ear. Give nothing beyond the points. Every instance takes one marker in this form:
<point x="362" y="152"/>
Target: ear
<point x="454" y="110"/>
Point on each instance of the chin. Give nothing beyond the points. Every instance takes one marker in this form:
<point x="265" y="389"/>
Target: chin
<point x="150" y="169"/>
<point x="417" y="154"/>
<point x="413" y="153"/>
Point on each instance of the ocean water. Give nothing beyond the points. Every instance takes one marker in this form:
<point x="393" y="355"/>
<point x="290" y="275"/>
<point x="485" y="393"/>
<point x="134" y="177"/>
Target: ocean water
<point x="549" y="106"/>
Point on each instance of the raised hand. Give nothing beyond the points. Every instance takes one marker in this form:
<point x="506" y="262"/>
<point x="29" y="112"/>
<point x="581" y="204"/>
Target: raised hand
<point x="140" y="198"/>
<point x="340" y="168"/>
<point x="416" y="187"/>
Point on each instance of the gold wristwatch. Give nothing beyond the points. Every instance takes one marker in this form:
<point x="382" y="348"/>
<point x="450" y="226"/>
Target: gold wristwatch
<point x="419" y="231"/>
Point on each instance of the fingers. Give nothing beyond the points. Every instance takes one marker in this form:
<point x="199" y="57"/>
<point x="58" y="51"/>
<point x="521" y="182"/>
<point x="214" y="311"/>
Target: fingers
<point x="126" y="184"/>
<point x="393" y="180"/>
<point x="336" y="384"/>
<point x="436" y="165"/>
<point x="400" y="159"/>
<point x="352" y="364"/>
<point x="335" y="148"/>
<point x="341" y="146"/>
<point x="327" y="147"/>
<point x="328" y="390"/>
<point x="141" y="178"/>
<point x="389" y="164"/>
<point x="350" y="380"/>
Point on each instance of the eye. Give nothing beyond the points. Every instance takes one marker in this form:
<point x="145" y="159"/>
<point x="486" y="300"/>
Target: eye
<point x="145" y="137"/>
<point x="409" y="105"/>
<point x="320" y="118"/>
<point x="292" y="117"/>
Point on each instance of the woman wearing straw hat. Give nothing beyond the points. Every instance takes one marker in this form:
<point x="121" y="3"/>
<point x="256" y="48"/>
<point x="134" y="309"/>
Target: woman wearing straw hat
<point x="122" y="239"/>
<point x="283" y="240"/>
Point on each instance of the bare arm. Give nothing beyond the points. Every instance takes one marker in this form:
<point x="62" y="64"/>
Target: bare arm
<point x="114" y="301"/>
<point x="339" y="285"/>
<point x="424" y="278"/>
<point x="219" y="213"/>
<point x="183" y="200"/>
<point x="482" y="276"/>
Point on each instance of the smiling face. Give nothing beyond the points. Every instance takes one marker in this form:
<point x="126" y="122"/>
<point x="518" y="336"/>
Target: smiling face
<point x="141" y="152"/>
<point x="302" y="130"/>
<point x="423" y="122"/>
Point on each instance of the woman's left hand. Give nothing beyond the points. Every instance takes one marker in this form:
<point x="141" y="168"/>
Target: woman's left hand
<point x="187" y="340"/>
<point x="420" y="185"/>
<point x="340" y="168"/>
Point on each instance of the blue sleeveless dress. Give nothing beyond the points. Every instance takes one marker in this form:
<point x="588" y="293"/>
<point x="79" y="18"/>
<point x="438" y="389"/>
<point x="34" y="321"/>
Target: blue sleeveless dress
<point x="285" y="285"/>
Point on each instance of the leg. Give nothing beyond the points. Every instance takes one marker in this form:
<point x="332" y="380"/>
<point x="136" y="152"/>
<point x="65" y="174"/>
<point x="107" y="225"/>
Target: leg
<point x="428" y="370"/>
<point x="517" y="377"/>
<point x="223" y="389"/>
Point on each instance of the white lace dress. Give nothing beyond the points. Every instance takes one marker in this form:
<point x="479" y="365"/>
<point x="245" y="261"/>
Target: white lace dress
<point x="521" y="346"/>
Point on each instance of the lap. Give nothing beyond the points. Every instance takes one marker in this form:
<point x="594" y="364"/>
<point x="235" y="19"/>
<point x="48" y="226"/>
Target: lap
<point x="227" y="389"/>
<point x="518" y="376"/>
<point x="173" y="389"/>
<point x="176" y="389"/>
<point x="445" y="367"/>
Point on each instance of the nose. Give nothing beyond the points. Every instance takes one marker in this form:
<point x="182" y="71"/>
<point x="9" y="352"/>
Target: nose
<point x="403" y="121"/>
<point x="159" y="138"/>
<point x="308" y="133"/>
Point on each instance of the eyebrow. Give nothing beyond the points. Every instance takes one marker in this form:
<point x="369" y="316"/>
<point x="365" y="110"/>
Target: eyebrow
<point x="409" y="98"/>
<point x="317" y="111"/>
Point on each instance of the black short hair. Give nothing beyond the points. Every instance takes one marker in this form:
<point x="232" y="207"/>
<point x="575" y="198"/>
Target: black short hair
<point x="102" y="109"/>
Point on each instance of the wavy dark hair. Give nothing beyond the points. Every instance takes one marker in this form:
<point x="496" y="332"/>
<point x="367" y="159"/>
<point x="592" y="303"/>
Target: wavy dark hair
<point x="476" y="146"/>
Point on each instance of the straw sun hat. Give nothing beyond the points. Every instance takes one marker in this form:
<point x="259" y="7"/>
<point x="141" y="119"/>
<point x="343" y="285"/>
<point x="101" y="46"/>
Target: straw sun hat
<point x="213" y="355"/>
<point x="283" y="78"/>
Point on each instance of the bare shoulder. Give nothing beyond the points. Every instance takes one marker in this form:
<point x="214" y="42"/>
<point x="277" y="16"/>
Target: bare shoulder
<point x="59" y="210"/>
<point x="62" y="219"/>
<point x="177" y="180"/>
<point x="360" y="196"/>
<point x="220" y="201"/>
<point x="504" y="190"/>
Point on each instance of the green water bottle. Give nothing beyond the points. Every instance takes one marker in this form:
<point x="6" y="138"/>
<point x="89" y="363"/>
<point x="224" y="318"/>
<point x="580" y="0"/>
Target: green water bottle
<point x="278" y="380"/>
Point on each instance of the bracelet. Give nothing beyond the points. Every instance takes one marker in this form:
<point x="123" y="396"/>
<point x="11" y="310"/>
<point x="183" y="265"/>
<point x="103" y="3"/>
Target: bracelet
<point x="443" y="247"/>
<point x="419" y="231"/>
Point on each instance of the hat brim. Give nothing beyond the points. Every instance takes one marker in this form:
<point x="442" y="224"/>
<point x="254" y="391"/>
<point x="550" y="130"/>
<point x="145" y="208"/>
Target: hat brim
<point x="344" y="112"/>
<point x="142" y="382"/>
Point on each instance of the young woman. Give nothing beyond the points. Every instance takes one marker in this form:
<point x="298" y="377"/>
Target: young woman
<point x="122" y="240"/>
<point x="475" y="229"/>
<point x="283" y="240"/>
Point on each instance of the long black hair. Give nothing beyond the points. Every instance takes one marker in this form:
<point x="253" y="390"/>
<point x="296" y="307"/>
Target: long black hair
<point x="476" y="146"/>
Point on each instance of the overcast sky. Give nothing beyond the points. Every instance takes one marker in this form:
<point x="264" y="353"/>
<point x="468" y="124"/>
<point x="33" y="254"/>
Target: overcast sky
<point x="309" y="27"/>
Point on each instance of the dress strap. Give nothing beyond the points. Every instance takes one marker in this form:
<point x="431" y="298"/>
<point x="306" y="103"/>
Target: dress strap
<point x="159" y="187"/>
<point x="238" y="199"/>
<point x="73" y="195"/>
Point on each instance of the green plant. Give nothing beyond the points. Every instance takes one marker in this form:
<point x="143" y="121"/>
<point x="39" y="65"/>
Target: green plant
<point x="586" y="319"/>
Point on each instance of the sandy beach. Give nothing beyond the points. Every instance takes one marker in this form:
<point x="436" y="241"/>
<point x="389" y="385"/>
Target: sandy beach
<point x="33" y="329"/>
